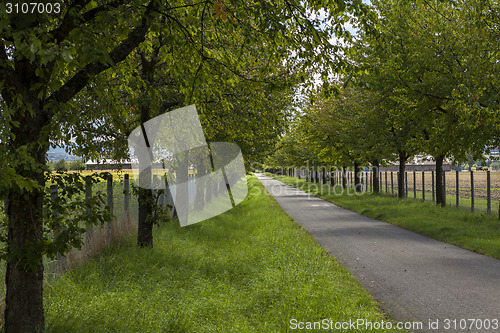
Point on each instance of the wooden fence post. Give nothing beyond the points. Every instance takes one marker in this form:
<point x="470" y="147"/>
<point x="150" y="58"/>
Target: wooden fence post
<point x="488" y="192"/>
<point x="381" y="180"/>
<point x="109" y="192"/>
<point x="433" y="190"/>
<point x="406" y="183"/>
<point x="366" y="180"/>
<point x="126" y="195"/>
<point x="414" y="184"/>
<point x="386" y="187"/>
<point x="472" y="191"/>
<point x="88" y="197"/>
<point x="371" y="181"/>
<point x="161" y="199"/>
<point x="61" y="258"/>
<point x="109" y="203"/>
<point x="423" y="185"/>
<point x="397" y="178"/>
<point x="392" y="183"/>
<point x="444" y="186"/>
<point x="53" y="194"/>
<point x="156" y="181"/>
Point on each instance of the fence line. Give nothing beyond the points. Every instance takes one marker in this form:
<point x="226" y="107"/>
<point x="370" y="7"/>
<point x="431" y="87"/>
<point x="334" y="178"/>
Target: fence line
<point x="483" y="186"/>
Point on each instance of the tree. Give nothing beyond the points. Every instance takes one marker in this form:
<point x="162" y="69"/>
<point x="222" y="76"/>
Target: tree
<point x="45" y="60"/>
<point x="418" y="61"/>
<point x="61" y="165"/>
<point x="76" y="165"/>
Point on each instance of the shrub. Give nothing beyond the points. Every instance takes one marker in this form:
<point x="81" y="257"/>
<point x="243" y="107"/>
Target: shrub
<point x="61" y="165"/>
<point x="76" y="165"/>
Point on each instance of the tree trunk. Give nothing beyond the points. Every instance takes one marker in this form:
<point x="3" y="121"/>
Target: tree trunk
<point x="145" y="198"/>
<point x="401" y="175"/>
<point x="440" y="195"/>
<point x="24" y="275"/>
<point x="376" y="181"/>
<point x="358" y="186"/>
<point x="182" y="189"/>
<point x="145" y="195"/>
<point x="344" y="177"/>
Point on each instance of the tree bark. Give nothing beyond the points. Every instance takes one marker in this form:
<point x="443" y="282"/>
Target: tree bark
<point x="24" y="275"/>
<point x="376" y="181"/>
<point x="401" y="176"/>
<point x="24" y="284"/>
<point x="440" y="195"/>
<point x="344" y="177"/>
<point x="358" y="186"/>
<point x="145" y="198"/>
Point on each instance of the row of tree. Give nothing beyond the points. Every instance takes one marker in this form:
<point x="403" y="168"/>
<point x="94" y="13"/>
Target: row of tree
<point x="426" y="83"/>
<point x="89" y="74"/>
<point x="63" y="165"/>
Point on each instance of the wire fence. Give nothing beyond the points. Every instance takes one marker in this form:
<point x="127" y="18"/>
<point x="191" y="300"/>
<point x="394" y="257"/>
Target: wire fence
<point x="478" y="191"/>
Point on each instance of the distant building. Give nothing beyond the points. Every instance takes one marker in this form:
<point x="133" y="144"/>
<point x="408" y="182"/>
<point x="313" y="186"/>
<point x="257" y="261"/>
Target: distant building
<point x="495" y="151"/>
<point x="108" y="164"/>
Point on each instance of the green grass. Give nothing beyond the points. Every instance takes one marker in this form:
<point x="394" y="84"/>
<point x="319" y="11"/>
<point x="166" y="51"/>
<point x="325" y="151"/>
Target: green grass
<point x="251" y="269"/>
<point x="477" y="232"/>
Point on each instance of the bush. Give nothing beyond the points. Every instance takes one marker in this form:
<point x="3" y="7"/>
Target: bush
<point x="76" y="165"/>
<point x="61" y="165"/>
<point x="495" y="165"/>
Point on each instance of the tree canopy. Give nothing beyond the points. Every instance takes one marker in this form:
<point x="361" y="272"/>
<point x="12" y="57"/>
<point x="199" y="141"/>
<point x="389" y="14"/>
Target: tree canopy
<point x="425" y="84"/>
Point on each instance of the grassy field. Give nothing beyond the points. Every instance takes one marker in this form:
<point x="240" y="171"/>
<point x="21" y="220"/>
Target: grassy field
<point x="478" y="232"/>
<point x="251" y="269"/>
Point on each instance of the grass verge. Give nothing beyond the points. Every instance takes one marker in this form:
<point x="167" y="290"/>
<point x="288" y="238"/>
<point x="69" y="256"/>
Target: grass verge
<point x="251" y="269"/>
<point x="479" y="232"/>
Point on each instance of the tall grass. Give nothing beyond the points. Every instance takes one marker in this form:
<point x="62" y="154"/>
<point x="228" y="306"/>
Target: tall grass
<point x="251" y="269"/>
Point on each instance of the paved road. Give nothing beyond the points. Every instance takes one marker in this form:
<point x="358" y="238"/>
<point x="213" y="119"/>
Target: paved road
<point x="414" y="277"/>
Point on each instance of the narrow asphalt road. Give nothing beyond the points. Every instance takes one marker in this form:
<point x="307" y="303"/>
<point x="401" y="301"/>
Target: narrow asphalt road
<point x="414" y="277"/>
